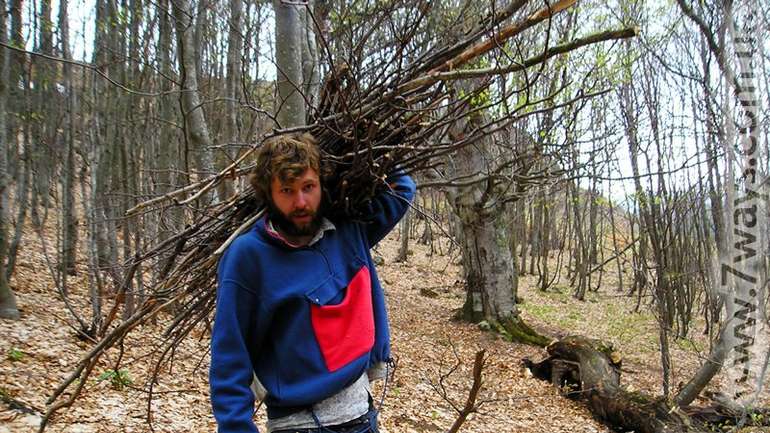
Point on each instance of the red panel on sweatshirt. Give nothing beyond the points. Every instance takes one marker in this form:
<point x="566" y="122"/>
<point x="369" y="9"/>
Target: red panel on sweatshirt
<point x="346" y="331"/>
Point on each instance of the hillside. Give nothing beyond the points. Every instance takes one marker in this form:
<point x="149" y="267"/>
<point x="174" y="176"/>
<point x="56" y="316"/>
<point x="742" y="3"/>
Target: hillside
<point x="45" y="349"/>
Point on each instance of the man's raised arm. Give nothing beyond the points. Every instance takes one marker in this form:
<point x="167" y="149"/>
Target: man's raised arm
<point x="389" y="206"/>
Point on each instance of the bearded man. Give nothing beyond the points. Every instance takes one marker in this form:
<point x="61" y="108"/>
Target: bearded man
<point x="300" y="310"/>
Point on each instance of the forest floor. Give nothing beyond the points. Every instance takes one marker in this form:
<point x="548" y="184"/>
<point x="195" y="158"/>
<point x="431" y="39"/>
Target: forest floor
<point x="40" y="350"/>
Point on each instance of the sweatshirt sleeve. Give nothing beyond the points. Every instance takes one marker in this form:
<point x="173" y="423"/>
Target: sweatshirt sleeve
<point x="389" y="206"/>
<point x="234" y="333"/>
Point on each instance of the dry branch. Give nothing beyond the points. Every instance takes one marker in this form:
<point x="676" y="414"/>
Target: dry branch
<point x="473" y="393"/>
<point x="536" y="60"/>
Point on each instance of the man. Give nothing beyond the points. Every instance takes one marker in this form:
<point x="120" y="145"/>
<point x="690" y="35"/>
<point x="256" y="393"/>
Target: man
<point x="299" y="303"/>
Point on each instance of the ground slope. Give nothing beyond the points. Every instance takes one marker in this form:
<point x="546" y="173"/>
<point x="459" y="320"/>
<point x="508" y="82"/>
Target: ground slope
<point x="37" y="352"/>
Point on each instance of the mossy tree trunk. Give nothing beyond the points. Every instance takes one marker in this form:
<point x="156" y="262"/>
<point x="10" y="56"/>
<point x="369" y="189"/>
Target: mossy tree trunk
<point x="482" y="213"/>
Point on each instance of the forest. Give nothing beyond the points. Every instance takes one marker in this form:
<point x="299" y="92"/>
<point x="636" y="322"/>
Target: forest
<point x="588" y="249"/>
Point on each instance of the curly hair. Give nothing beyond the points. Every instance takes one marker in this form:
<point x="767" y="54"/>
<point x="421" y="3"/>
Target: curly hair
<point x="286" y="156"/>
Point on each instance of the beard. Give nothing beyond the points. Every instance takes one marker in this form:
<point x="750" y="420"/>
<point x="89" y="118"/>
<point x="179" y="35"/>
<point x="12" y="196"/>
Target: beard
<point x="285" y="224"/>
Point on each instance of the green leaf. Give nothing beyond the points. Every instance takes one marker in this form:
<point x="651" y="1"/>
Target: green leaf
<point x="118" y="379"/>
<point x="15" y="355"/>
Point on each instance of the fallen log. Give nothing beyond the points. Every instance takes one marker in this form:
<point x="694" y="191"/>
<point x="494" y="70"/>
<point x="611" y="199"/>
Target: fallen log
<point x="589" y="369"/>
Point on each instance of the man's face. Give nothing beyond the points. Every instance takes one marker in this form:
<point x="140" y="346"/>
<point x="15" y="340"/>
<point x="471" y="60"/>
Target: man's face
<point x="295" y="205"/>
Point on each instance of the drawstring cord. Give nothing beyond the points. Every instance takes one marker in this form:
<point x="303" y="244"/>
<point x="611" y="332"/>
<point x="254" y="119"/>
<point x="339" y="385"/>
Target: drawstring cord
<point x="390" y="362"/>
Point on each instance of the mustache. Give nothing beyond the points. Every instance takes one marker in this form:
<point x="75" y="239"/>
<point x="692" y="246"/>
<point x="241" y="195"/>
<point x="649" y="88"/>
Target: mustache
<point x="301" y="213"/>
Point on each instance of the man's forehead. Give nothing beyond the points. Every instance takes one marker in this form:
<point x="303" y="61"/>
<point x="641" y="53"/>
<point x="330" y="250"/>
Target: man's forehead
<point x="288" y="177"/>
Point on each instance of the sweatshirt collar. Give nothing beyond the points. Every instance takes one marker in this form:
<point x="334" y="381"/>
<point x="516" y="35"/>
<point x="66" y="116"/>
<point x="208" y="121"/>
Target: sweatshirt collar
<point x="326" y="225"/>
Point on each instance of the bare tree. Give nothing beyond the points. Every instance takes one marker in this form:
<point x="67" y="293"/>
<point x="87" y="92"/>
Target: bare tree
<point x="8" y="309"/>
<point x="69" y="218"/>
<point x="196" y="127"/>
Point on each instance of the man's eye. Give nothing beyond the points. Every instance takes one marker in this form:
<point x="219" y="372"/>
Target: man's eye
<point x="285" y="191"/>
<point x="309" y="187"/>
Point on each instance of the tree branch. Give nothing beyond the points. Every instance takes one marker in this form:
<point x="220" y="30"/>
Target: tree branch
<point x="470" y="403"/>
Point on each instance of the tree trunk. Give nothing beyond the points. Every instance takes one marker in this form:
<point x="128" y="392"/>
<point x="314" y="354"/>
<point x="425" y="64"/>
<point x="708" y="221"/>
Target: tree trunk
<point x="536" y="232"/>
<point x="406" y="227"/>
<point x="489" y="269"/>
<point x="69" y="218"/>
<point x="233" y="84"/>
<point x="8" y="308"/>
<point x="195" y="121"/>
<point x="22" y="203"/>
<point x="167" y="149"/>
<point x="310" y="71"/>
<point x="100" y="146"/>
<point x="290" y="104"/>
<point x="580" y="276"/>
<point x="544" y="279"/>
<point x="17" y="83"/>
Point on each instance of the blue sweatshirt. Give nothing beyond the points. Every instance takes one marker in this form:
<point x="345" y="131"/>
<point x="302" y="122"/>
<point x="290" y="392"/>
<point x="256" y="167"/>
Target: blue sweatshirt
<point x="308" y="321"/>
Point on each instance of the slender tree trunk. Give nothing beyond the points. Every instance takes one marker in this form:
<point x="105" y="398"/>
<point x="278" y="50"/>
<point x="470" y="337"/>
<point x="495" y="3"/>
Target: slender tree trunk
<point x="233" y="85"/>
<point x="167" y="149"/>
<point x="15" y="90"/>
<point x="406" y="227"/>
<point x="310" y="70"/>
<point x="69" y="217"/>
<point x="535" y="230"/>
<point x="655" y="222"/>
<point x="195" y="121"/>
<point x="22" y="202"/>
<point x="8" y="308"/>
<point x="525" y="241"/>
<point x="290" y="104"/>
<point x="200" y="41"/>
<point x="615" y="247"/>
<point x="580" y="250"/>
<point x="100" y="147"/>
<point x="544" y="279"/>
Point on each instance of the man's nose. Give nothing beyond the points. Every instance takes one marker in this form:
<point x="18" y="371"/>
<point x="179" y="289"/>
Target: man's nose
<point x="300" y="201"/>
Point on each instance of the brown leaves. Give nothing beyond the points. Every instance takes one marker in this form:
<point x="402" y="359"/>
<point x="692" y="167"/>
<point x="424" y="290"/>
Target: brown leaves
<point x="421" y="328"/>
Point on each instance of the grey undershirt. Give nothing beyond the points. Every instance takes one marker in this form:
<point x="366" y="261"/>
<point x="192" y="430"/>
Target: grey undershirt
<point x="346" y="405"/>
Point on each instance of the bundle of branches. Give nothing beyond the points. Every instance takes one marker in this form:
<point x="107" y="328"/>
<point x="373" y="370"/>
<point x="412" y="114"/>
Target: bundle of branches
<point x="366" y="127"/>
<point x="399" y="118"/>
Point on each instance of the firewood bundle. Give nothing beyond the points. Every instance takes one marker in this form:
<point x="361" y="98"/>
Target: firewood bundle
<point x="362" y="149"/>
<point x="365" y="133"/>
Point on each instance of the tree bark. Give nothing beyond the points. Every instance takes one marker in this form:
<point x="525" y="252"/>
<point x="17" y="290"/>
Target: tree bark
<point x="17" y="83"/>
<point x="290" y="104"/>
<point x="167" y="148"/>
<point x="489" y="269"/>
<point x="233" y="85"/>
<point x="69" y="218"/>
<point x="8" y="308"/>
<point x="310" y="70"/>
<point x="406" y="227"/>
<point x="195" y="121"/>
<point x="22" y="203"/>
